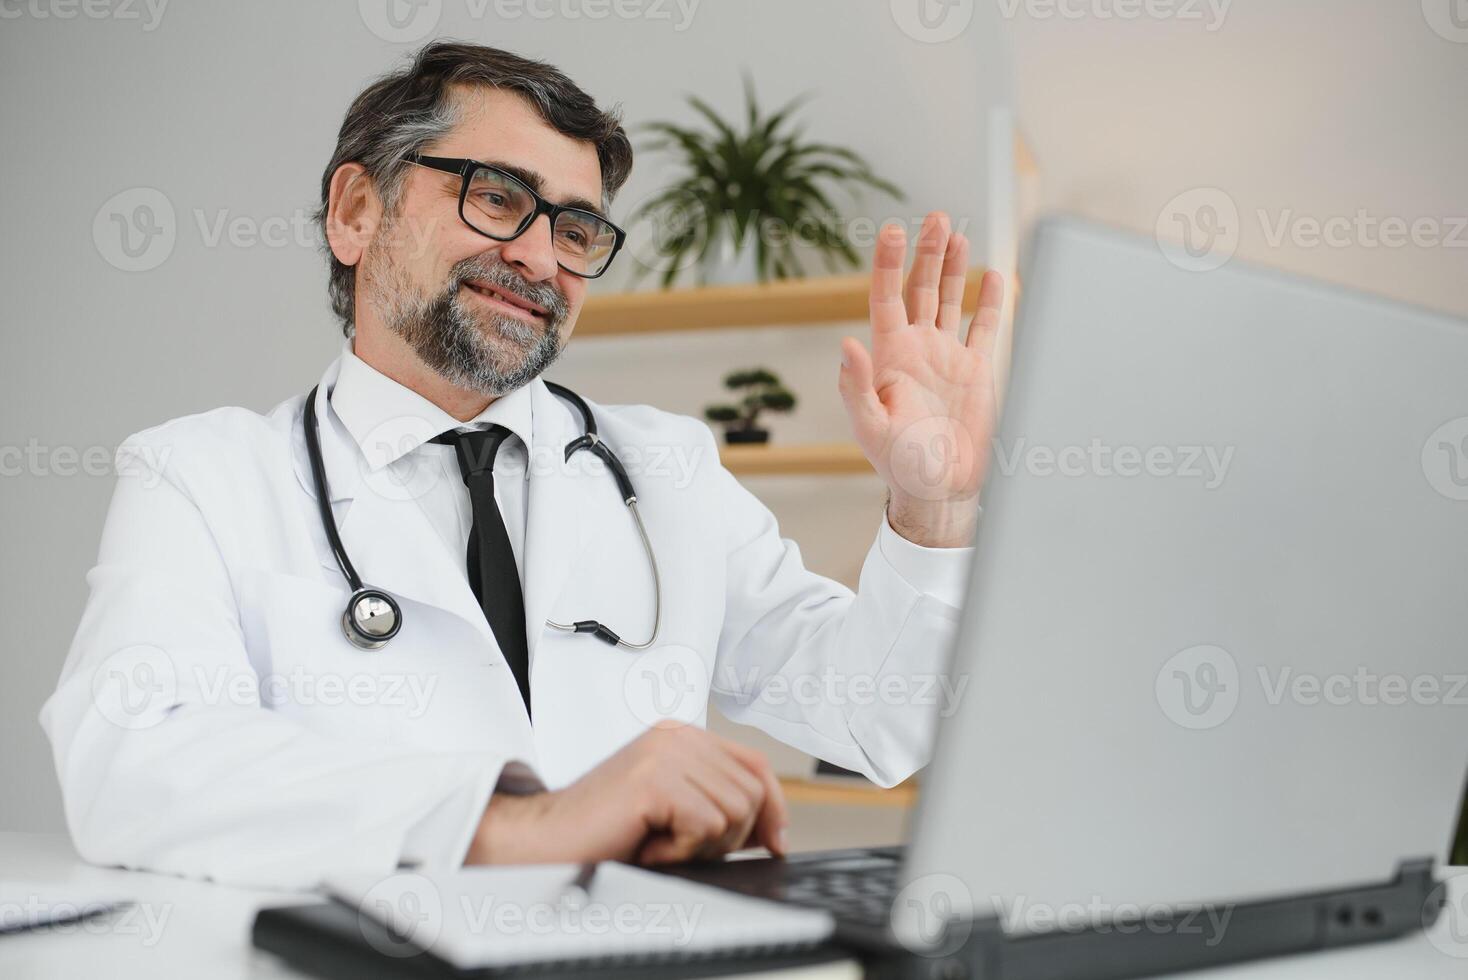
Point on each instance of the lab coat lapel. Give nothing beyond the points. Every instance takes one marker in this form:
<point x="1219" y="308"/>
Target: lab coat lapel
<point x="383" y="527"/>
<point x="554" y="498"/>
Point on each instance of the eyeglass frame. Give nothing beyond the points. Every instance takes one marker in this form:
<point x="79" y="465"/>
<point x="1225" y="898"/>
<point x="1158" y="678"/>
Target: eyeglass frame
<point x="464" y="168"/>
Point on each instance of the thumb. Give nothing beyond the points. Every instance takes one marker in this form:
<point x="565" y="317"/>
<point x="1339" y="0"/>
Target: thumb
<point x="855" y="384"/>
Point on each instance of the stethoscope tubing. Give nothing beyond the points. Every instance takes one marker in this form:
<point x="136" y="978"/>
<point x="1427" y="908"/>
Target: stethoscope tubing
<point x="657" y="593"/>
<point x="381" y="601"/>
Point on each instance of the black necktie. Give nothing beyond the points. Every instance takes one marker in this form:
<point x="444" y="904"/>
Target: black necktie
<point x="491" y="560"/>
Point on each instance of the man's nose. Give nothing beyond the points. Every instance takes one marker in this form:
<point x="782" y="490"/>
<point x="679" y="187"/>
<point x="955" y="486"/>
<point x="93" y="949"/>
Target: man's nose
<point x="533" y="254"/>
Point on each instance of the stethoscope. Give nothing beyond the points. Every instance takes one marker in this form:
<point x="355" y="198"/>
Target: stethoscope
<point x="373" y="617"/>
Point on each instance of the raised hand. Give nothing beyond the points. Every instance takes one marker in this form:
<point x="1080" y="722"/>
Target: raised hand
<point x="921" y="402"/>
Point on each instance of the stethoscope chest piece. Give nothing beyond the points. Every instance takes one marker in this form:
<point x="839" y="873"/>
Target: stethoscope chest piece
<point x="372" y="617"/>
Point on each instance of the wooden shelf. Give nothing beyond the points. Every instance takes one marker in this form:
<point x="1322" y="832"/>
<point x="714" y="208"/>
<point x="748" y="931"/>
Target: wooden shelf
<point x="847" y="791"/>
<point x="814" y="459"/>
<point x="791" y="302"/>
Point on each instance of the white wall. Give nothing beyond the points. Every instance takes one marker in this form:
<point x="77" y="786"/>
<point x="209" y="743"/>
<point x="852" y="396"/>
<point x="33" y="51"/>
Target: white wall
<point x="1314" y="108"/>
<point x="229" y="111"/>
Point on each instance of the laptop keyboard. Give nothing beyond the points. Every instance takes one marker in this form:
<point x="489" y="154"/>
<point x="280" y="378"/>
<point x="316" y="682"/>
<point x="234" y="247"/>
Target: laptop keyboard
<point x="858" y="889"/>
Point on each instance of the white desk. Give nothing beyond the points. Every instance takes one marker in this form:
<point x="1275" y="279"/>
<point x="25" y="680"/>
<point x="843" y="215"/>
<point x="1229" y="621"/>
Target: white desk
<point x="191" y="929"/>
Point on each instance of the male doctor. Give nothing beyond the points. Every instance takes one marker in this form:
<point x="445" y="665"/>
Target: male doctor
<point x="214" y="718"/>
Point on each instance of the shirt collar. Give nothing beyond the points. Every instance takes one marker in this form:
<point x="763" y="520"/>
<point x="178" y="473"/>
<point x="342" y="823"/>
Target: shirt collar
<point x="389" y="420"/>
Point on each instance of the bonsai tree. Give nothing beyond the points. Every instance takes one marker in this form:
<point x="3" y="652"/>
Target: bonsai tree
<point x="762" y="392"/>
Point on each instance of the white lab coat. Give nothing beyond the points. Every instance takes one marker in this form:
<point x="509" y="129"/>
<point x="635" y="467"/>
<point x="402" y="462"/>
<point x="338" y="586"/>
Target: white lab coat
<point x="212" y="721"/>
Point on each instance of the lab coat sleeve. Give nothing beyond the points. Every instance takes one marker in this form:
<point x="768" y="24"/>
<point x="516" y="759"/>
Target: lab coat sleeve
<point x="168" y="761"/>
<point x="859" y="679"/>
<point x="939" y="572"/>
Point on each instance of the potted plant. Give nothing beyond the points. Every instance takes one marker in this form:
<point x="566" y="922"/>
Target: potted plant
<point x="747" y="195"/>
<point x="763" y="392"/>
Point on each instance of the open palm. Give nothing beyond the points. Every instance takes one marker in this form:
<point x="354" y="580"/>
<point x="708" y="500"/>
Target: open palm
<point x="921" y="402"/>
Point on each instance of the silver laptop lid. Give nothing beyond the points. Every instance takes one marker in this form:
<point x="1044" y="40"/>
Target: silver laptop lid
<point x="1214" y="643"/>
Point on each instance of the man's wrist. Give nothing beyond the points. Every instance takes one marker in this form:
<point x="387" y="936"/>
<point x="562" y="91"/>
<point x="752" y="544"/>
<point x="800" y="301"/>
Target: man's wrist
<point x="504" y="835"/>
<point x="934" y="523"/>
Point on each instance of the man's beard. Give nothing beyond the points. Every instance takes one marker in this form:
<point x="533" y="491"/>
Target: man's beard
<point x="477" y="349"/>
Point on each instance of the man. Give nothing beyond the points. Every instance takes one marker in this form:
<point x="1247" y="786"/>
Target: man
<point x="212" y="718"/>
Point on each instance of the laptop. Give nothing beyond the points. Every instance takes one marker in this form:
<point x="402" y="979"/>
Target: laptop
<point x="1211" y="658"/>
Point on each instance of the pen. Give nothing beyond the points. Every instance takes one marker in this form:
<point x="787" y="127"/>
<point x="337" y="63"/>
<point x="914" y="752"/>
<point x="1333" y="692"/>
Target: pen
<point x="578" y="890"/>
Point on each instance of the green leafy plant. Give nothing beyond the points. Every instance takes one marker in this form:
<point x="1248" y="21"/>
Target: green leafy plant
<point x="763" y="392"/>
<point x="763" y="184"/>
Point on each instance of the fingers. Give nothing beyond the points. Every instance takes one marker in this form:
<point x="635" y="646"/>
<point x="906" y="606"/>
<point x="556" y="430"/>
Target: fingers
<point x="888" y="312"/>
<point x="855" y="382"/>
<point x="774" y="816"/>
<point x="984" y="327"/>
<point x="694" y="821"/>
<point x="707" y="796"/>
<point x="928" y="267"/>
<point x="736" y="791"/>
<point x="950" y="289"/>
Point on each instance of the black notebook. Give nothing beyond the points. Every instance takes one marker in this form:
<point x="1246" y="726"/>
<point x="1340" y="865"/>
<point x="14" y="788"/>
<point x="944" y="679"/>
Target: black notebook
<point x="333" y="941"/>
<point x="517" y="920"/>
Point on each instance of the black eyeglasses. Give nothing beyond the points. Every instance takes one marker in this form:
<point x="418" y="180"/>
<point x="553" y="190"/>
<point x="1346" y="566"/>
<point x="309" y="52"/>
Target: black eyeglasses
<point x="501" y="206"/>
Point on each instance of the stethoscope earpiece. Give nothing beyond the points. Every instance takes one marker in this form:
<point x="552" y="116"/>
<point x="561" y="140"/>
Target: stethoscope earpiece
<point x="372" y="617"/>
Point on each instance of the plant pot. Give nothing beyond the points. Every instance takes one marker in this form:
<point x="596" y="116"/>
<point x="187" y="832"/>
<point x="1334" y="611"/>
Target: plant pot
<point x="746" y="437"/>
<point x="726" y="264"/>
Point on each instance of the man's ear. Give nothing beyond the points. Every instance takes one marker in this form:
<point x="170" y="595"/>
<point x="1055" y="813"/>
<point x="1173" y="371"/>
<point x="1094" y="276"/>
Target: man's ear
<point x="352" y="214"/>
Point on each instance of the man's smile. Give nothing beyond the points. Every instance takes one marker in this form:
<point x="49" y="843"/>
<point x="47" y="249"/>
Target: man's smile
<point x="507" y="302"/>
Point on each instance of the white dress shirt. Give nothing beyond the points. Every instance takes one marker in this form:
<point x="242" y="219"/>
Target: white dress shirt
<point x="392" y="425"/>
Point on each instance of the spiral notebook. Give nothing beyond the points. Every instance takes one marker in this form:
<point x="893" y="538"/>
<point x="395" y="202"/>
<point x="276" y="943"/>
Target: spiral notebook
<point x="500" y="917"/>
